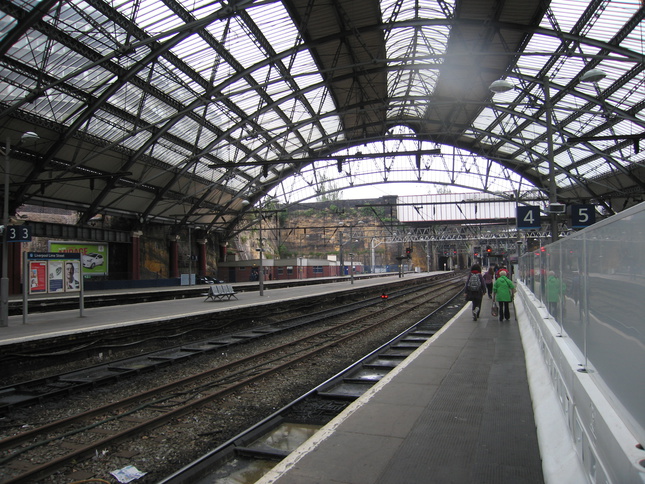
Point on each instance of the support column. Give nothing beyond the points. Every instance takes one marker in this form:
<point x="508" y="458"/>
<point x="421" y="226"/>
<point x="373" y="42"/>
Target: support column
<point x="135" y="255"/>
<point x="201" y="264"/>
<point x="174" y="256"/>
<point x="14" y="267"/>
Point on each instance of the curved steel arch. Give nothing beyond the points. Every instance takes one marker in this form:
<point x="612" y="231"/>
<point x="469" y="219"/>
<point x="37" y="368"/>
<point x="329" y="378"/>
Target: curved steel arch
<point x="166" y="185"/>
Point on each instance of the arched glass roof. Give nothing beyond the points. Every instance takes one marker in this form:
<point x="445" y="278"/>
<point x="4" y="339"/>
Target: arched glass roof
<point x="173" y="111"/>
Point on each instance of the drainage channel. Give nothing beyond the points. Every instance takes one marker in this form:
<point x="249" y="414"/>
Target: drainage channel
<point x="251" y="454"/>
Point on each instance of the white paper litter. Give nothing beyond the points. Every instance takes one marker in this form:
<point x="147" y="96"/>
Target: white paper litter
<point x="127" y="474"/>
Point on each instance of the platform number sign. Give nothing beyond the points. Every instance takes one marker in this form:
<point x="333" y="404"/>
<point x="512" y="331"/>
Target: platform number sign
<point x="528" y="217"/>
<point x="582" y="216"/>
<point x="18" y="233"/>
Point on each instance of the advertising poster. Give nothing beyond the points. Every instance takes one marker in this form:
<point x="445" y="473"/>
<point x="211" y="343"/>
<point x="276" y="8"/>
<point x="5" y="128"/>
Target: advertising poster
<point x="94" y="257"/>
<point x="37" y="277"/>
<point x="72" y="274"/>
<point x="55" y="277"/>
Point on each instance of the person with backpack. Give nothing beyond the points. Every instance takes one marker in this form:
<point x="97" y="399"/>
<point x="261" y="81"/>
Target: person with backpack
<point x="503" y="292"/>
<point x="475" y="289"/>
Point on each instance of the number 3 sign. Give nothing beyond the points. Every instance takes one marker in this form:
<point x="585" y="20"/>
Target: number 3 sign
<point x="18" y="233"/>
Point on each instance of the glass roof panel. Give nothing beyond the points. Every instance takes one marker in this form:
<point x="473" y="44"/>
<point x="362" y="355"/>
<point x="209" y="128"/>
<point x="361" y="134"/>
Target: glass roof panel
<point x="567" y="109"/>
<point x="169" y="152"/>
<point x="277" y="25"/>
<point x="152" y="16"/>
<point x="187" y="130"/>
<point x="413" y="46"/>
<point x="614" y="15"/>
<point x="273" y="103"/>
<point x="7" y="22"/>
<point x="57" y="106"/>
<point x="203" y="8"/>
<point x="414" y="9"/>
<point x="196" y="52"/>
<point x="132" y="141"/>
<point x="303" y="69"/>
<point x="103" y="124"/>
<point x="10" y="92"/>
<point x="29" y="48"/>
<point x="246" y="53"/>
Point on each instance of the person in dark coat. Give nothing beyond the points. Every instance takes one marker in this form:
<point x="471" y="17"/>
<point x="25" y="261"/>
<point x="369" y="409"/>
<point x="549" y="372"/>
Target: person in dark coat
<point x="489" y="277"/>
<point x="476" y="295"/>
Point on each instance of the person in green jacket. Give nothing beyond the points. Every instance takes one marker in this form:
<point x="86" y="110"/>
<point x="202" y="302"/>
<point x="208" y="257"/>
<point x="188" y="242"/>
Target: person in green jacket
<point x="503" y="291"/>
<point x="555" y="288"/>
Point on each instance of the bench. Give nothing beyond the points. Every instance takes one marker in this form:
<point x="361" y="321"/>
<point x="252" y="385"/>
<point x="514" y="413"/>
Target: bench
<point x="220" y="291"/>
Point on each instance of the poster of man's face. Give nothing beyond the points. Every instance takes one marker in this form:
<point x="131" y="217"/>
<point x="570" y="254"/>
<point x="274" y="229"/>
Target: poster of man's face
<point x="72" y="276"/>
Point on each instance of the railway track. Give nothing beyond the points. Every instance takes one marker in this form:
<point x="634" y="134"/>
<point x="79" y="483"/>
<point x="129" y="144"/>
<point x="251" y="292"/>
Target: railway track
<point x="257" y="449"/>
<point x="32" y="357"/>
<point x="68" y="383"/>
<point x="87" y="433"/>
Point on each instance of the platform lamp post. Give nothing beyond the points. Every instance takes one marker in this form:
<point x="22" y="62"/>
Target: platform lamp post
<point x="4" y="282"/>
<point x="260" y="249"/>
<point x="502" y="85"/>
<point x="351" y="255"/>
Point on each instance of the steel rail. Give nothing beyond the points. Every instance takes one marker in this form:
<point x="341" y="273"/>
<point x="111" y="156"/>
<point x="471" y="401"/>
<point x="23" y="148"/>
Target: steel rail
<point x="254" y="373"/>
<point x="35" y="391"/>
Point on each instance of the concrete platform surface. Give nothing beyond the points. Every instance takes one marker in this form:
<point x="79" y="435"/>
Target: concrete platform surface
<point x="457" y="411"/>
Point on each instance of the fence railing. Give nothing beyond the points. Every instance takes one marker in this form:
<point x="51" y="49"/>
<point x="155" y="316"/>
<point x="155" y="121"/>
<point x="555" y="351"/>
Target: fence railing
<point x="593" y="285"/>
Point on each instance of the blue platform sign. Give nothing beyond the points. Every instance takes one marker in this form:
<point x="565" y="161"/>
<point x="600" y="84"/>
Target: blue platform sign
<point x="528" y="217"/>
<point x="583" y="216"/>
<point x="53" y="255"/>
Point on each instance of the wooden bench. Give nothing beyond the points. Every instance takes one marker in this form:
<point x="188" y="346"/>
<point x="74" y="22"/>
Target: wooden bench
<point x="220" y="291"/>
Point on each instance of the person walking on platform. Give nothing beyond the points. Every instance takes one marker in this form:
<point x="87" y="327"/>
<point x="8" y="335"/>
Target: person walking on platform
<point x="475" y="289"/>
<point x="489" y="276"/>
<point x="503" y="292"/>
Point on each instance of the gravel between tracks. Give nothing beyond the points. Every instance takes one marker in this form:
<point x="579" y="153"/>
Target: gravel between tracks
<point x="168" y="448"/>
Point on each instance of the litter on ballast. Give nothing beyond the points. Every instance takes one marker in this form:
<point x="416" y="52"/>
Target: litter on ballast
<point x="127" y="474"/>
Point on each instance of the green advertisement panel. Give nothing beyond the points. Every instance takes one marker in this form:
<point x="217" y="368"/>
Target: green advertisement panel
<point x="94" y="257"/>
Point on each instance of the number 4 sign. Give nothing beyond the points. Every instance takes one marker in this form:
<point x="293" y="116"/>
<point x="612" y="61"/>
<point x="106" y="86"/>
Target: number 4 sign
<point x="528" y="217"/>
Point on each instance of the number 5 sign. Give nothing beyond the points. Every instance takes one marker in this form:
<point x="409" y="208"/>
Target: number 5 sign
<point x="528" y="217"/>
<point x="582" y="216"/>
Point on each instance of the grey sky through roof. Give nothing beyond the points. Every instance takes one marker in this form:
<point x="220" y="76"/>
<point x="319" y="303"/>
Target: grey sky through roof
<point x="176" y="111"/>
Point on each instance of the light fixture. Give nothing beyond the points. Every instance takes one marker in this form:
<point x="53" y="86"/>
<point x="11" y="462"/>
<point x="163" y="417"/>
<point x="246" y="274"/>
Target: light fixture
<point x="29" y="136"/>
<point x="501" y="85"/>
<point x="593" y="75"/>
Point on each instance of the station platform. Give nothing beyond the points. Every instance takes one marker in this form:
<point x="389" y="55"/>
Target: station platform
<point x="458" y="410"/>
<point x="59" y="323"/>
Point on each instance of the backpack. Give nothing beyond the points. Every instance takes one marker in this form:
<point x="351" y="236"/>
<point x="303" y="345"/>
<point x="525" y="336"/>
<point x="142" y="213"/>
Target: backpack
<point x="474" y="284"/>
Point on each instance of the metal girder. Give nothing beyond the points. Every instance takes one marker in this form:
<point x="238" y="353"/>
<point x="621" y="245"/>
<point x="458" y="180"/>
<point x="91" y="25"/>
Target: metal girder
<point x="346" y="44"/>
<point x="452" y="234"/>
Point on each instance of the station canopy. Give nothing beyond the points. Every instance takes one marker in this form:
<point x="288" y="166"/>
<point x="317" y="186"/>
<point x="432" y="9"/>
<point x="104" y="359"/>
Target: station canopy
<point x="193" y="112"/>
